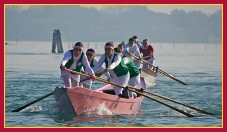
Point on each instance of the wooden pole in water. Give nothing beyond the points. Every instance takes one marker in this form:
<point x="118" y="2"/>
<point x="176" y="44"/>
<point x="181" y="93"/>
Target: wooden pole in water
<point x="54" y="41"/>
<point x="57" y="42"/>
<point x="60" y="48"/>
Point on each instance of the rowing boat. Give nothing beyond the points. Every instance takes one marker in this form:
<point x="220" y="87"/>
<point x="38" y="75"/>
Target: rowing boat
<point x="82" y="101"/>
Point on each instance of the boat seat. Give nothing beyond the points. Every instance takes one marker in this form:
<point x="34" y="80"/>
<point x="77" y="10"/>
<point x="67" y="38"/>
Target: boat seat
<point x="109" y="91"/>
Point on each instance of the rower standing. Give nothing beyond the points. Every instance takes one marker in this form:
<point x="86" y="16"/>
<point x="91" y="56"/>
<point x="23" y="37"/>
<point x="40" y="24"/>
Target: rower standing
<point x="148" y="53"/>
<point x="84" y="82"/>
<point x="118" y="71"/>
<point x="74" y="59"/>
<point x="134" y="72"/>
<point x="130" y="50"/>
<point x="121" y="45"/>
<point x="137" y="41"/>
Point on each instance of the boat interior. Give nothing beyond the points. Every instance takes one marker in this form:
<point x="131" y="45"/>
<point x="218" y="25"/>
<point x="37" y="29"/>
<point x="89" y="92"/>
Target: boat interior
<point x="109" y="91"/>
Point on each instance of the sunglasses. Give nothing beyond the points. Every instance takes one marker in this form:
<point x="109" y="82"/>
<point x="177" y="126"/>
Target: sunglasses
<point x="77" y="49"/>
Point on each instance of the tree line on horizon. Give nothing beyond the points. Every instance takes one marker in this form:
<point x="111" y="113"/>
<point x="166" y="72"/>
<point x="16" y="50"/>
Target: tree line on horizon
<point x="78" y="23"/>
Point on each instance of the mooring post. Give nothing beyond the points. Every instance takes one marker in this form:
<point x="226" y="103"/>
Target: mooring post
<point x="54" y="42"/>
<point x="57" y="41"/>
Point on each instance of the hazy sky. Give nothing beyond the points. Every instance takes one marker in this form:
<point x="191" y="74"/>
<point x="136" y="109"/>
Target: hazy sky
<point x="208" y="9"/>
<point x="167" y="9"/>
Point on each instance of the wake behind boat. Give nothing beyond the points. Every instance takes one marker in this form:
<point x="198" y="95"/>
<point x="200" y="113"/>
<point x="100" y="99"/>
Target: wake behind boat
<point x="82" y="101"/>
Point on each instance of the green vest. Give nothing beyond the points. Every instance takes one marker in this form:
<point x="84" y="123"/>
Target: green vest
<point x="79" y="63"/>
<point x="91" y="64"/>
<point x="133" y="70"/>
<point x="121" y="69"/>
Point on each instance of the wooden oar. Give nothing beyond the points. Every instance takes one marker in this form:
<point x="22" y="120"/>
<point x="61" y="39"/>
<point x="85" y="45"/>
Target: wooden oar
<point x="161" y="71"/>
<point x="21" y="108"/>
<point x="171" y="76"/>
<point x="85" y="79"/>
<point x="130" y="88"/>
<point x="191" y="107"/>
<point x="156" y="100"/>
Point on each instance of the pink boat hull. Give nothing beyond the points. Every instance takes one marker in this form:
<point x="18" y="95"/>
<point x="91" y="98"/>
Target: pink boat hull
<point x="85" y="101"/>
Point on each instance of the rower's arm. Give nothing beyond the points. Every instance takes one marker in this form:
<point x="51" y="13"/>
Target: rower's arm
<point x="117" y="61"/>
<point x="87" y="66"/>
<point x="99" y="63"/>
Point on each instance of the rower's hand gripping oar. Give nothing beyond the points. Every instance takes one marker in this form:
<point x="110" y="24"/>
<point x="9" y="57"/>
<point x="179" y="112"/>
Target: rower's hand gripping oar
<point x="161" y="71"/>
<point x="129" y="88"/>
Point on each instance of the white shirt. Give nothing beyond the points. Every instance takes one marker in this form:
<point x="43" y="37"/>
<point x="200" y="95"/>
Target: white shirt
<point x="95" y="61"/>
<point x="111" y="66"/>
<point x="68" y="56"/>
<point x="139" y="45"/>
<point x="133" y="50"/>
<point x="125" y="60"/>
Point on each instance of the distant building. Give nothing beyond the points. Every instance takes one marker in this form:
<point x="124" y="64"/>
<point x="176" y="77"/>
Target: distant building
<point x="57" y="41"/>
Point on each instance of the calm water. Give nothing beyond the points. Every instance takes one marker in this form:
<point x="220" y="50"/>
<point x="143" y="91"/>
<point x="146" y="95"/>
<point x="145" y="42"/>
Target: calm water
<point x="32" y="72"/>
